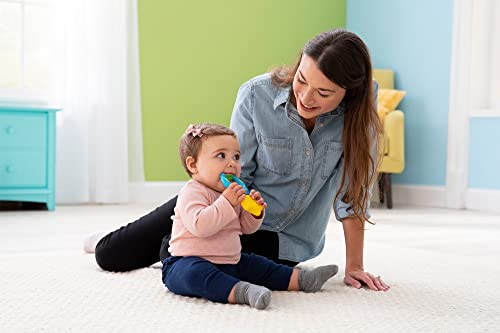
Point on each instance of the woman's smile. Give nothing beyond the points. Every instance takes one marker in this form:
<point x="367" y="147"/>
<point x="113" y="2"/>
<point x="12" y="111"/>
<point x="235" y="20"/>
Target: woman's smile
<point x="307" y="107"/>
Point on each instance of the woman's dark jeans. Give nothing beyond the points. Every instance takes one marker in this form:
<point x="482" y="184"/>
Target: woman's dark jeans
<point x="137" y="245"/>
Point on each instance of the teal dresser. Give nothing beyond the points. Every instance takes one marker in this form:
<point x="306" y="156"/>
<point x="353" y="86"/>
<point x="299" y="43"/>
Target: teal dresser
<point x="27" y="154"/>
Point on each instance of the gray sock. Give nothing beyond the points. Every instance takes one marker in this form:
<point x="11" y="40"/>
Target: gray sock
<point x="312" y="281"/>
<point x="257" y="296"/>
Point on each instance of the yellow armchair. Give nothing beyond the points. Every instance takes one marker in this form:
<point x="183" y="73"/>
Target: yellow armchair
<point x="393" y="160"/>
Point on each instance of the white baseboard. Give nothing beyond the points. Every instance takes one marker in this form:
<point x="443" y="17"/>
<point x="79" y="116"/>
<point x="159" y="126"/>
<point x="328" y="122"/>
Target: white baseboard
<point x="435" y="196"/>
<point x="482" y="199"/>
<point x="153" y="192"/>
<point x="416" y="195"/>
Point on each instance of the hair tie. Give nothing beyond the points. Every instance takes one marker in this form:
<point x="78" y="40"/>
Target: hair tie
<point x="194" y="131"/>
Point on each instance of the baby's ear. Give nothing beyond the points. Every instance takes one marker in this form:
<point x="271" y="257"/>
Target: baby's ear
<point x="191" y="164"/>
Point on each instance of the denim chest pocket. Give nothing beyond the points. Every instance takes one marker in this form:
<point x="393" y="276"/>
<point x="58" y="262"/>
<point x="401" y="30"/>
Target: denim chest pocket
<point x="331" y="154"/>
<point x="275" y="154"/>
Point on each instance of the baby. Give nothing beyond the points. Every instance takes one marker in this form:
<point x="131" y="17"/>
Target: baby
<point x="206" y="259"/>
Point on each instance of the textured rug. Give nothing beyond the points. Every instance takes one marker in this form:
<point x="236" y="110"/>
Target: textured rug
<point x="444" y="278"/>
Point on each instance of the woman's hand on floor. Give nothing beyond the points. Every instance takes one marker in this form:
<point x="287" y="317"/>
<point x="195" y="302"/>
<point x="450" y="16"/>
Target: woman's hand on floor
<point x="357" y="278"/>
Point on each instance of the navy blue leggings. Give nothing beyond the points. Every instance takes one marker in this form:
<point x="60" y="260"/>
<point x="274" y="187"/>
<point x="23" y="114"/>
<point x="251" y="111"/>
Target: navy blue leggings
<point x="197" y="277"/>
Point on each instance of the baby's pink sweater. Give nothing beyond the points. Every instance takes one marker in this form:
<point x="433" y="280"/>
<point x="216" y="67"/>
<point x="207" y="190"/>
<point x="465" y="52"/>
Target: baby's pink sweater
<point x="206" y="225"/>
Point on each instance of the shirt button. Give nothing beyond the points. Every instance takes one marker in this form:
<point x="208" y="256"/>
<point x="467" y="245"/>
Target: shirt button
<point x="308" y="152"/>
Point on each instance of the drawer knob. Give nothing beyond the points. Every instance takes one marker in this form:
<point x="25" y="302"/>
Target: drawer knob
<point x="10" y="130"/>
<point x="9" y="169"/>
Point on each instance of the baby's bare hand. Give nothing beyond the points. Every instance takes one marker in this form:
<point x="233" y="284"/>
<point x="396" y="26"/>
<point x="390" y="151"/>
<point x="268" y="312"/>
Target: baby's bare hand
<point x="234" y="193"/>
<point x="258" y="198"/>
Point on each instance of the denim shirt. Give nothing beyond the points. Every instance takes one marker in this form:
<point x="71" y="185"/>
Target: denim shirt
<point x="297" y="173"/>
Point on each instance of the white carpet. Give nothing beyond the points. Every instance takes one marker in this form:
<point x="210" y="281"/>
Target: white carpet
<point x="442" y="266"/>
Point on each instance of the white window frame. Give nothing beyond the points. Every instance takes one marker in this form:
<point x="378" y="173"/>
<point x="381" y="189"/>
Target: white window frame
<point x="467" y="101"/>
<point x="485" y="65"/>
<point x="22" y="95"/>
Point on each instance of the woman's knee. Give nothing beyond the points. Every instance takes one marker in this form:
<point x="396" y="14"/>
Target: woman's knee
<point x="105" y="257"/>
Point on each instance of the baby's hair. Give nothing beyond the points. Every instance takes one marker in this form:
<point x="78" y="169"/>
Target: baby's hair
<point x="192" y="139"/>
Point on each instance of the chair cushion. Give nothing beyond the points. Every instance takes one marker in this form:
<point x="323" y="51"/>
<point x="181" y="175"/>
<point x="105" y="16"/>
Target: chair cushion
<point x="390" y="98"/>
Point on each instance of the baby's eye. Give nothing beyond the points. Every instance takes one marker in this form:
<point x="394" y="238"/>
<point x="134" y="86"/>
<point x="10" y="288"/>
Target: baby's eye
<point x="221" y="155"/>
<point x="237" y="157"/>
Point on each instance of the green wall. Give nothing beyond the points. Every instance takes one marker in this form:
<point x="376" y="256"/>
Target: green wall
<point x="194" y="56"/>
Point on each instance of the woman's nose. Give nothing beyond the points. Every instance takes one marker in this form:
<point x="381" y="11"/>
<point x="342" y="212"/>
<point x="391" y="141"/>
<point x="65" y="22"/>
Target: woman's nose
<point x="308" y="97"/>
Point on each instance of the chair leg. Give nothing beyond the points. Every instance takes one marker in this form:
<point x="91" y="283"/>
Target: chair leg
<point x="388" y="189"/>
<point x="381" y="187"/>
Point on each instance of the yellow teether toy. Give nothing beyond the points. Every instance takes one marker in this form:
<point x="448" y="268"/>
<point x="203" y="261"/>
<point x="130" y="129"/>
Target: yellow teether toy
<point x="248" y="204"/>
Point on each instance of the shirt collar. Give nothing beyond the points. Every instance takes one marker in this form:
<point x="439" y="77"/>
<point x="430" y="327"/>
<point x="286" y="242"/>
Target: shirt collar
<point x="282" y="96"/>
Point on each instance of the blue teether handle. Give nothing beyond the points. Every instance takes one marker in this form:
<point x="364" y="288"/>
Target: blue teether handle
<point x="226" y="182"/>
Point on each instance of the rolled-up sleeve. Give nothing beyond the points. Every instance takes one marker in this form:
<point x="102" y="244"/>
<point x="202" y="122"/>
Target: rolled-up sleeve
<point x="243" y="124"/>
<point x="342" y="209"/>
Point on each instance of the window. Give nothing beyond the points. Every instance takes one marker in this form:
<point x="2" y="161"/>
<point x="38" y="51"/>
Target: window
<point x="27" y="51"/>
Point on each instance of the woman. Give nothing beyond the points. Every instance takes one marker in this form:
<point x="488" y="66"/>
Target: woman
<point x="308" y="139"/>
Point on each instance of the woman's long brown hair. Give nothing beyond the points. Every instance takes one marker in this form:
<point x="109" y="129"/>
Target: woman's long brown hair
<point x="344" y="59"/>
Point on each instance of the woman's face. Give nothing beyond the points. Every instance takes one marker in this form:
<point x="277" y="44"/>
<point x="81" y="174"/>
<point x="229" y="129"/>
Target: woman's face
<point x="314" y="93"/>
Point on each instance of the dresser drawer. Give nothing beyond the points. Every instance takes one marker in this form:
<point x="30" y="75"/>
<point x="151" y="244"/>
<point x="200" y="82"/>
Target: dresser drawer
<point x="23" y="129"/>
<point x="23" y="169"/>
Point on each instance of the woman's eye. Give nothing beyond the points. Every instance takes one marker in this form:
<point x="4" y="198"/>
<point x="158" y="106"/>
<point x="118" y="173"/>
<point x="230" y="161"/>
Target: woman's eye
<point x="323" y="95"/>
<point x="300" y="81"/>
<point x="221" y="155"/>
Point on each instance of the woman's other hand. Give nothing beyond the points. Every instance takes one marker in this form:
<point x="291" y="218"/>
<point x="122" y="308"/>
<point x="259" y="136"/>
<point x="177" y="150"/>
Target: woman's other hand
<point x="358" y="278"/>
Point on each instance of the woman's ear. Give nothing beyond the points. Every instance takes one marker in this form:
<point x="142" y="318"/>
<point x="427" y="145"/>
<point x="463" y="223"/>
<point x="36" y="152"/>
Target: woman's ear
<point x="191" y="164"/>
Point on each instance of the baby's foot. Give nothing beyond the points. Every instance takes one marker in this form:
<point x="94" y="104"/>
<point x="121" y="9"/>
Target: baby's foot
<point x="257" y="296"/>
<point x="312" y="281"/>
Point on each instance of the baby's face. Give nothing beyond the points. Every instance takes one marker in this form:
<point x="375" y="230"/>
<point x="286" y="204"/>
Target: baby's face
<point x="218" y="154"/>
